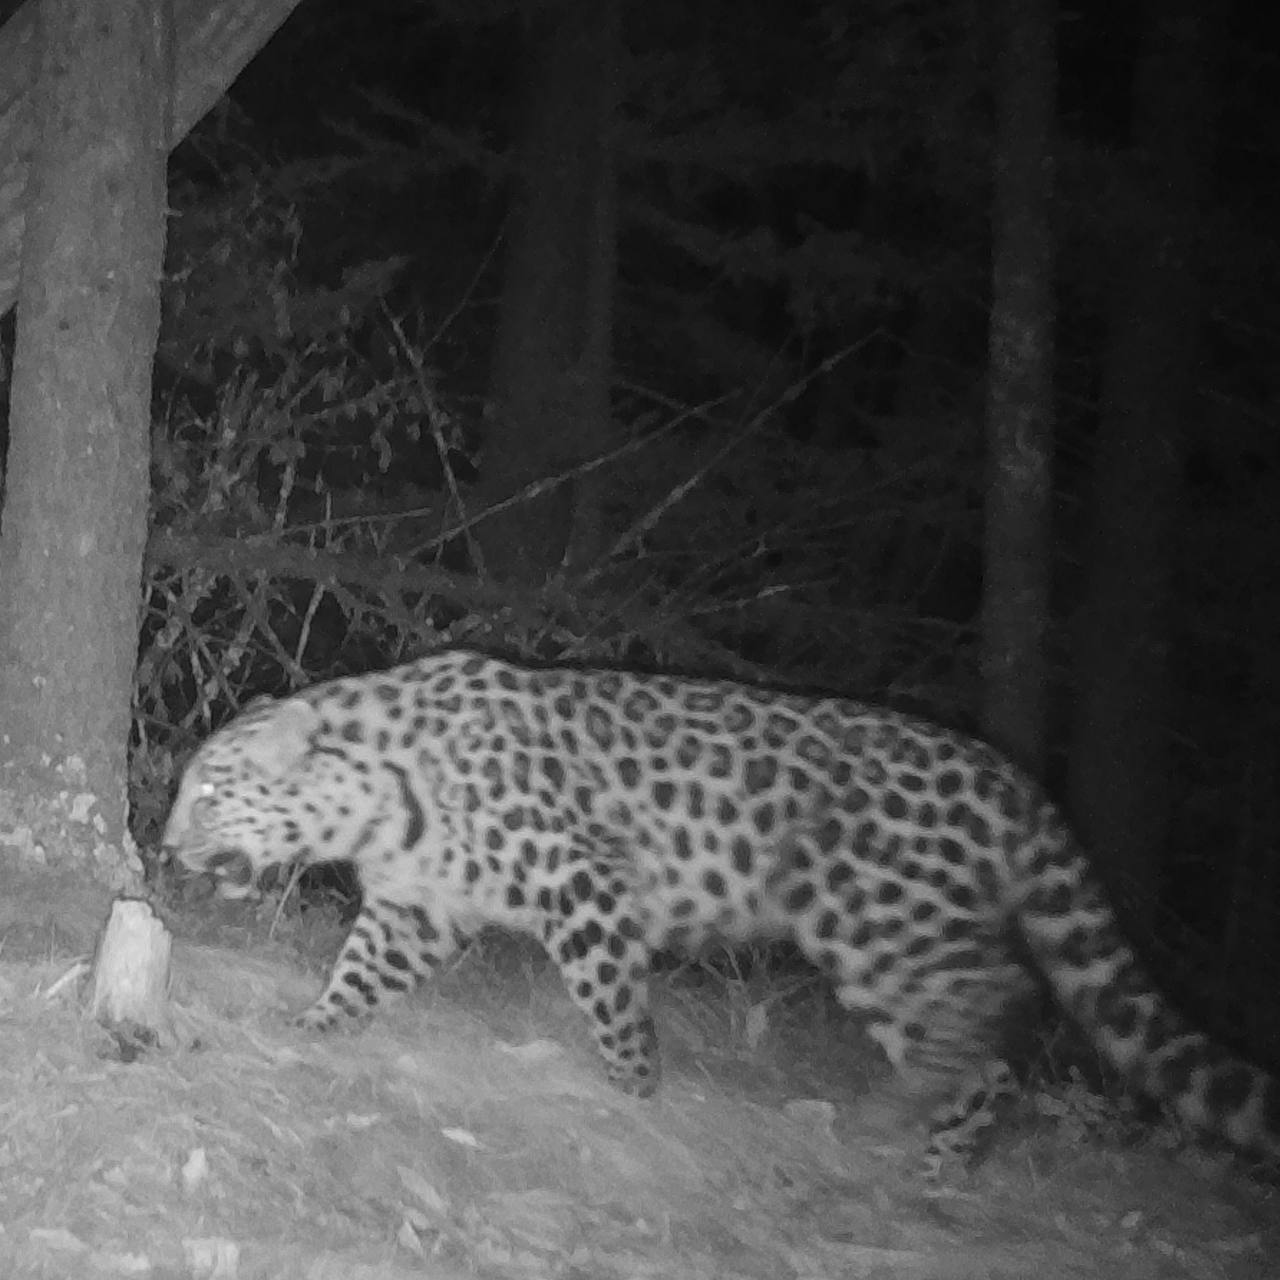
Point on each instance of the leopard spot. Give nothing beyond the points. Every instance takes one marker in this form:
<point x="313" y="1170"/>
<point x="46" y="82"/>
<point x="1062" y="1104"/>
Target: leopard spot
<point x="800" y="898"/>
<point x="720" y="764"/>
<point x="828" y="926"/>
<point x="839" y="875"/>
<point x="599" y="728"/>
<point x="950" y="782"/>
<point x="862" y="934"/>
<point x="828" y="835"/>
<point x="761" y="774"/>
<point x="521" y="767"/>
<point x="639" y="704"/>
<point x="726" y="811"/>
<point x="714" y="883"/>
<point x="814" y="750"/>
<point x="696" y="800"/>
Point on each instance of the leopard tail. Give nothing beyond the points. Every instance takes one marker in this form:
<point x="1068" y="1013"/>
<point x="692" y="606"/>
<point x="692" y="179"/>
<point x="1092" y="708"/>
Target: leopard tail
<point x="1072" y="932"/>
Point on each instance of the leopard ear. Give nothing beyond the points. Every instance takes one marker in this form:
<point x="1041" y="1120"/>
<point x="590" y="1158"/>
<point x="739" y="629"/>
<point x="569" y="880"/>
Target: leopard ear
<point x="281" y="735"/>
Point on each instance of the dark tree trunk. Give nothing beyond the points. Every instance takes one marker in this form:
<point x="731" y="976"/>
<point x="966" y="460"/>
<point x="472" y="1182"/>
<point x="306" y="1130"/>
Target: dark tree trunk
<point x="1250" y="943"/>
<point x="1119" y="768"/>
<point x="75" y="514"/>
<point x="549" y="401"/>
<point x="1016" y="554"/>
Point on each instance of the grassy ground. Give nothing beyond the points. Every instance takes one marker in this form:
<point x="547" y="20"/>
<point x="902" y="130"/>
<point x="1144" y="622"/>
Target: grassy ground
<point x="469" y="1131"/>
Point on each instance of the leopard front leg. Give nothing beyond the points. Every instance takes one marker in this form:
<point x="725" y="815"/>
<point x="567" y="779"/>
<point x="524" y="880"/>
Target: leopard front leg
<point x="593" y="931"/>
<point x="390" y="949"/>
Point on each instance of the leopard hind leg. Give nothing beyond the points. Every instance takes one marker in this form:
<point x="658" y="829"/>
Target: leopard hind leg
<point x="931" y="967"/>
<point x="593" y="929"/>
<point x="944" y="1032"/>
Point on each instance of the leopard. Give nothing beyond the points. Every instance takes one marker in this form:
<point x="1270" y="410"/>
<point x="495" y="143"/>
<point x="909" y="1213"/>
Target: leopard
<point x="613" y="815"/>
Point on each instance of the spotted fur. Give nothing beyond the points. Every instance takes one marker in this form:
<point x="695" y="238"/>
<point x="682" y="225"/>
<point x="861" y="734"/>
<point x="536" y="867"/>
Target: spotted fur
<point x="610" y="814"/>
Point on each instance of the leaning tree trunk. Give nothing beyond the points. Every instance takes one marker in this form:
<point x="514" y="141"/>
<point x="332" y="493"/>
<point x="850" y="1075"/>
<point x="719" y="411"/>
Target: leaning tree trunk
<point x="1016" y="555"/>
<point x="214" y="39"/>
<point x="75" y="514"/>
<point x="1119" y="783"/>
<point x="549" y="397"/>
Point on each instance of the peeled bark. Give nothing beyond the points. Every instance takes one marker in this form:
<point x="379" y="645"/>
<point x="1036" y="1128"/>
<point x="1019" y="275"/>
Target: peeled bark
<point x="129" y="989"/>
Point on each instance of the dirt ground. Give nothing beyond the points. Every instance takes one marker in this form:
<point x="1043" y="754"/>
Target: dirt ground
<point x="469" y="1131"/>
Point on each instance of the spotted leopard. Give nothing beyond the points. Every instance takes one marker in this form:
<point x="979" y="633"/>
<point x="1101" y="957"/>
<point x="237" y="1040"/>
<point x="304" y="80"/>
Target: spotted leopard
<point x="610" y="814"/>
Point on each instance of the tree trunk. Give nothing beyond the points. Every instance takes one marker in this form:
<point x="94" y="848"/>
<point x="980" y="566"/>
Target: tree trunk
<point x="1016" y="552"/>
<point x="549" y="399"/>
<point x="1119" y="769"/>
<point x="69" y="567"/>
<point x="1250" y="944"/>
<point x="75" y="516"/>
<point x="214" y="39"/>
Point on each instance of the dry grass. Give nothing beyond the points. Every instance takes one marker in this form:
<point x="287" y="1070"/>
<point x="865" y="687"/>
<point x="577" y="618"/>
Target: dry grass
<point x="469" y="1131"/>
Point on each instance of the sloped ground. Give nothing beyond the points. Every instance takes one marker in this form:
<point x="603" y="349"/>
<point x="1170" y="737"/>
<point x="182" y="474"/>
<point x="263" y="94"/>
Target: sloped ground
<point x="470" y="1132"/>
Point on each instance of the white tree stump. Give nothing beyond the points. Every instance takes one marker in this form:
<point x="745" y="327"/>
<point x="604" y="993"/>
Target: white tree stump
<point x="130" y="983"/>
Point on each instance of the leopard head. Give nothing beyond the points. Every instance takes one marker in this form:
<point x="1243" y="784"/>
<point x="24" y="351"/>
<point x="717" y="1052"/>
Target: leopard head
<point x="246" y="803"/>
